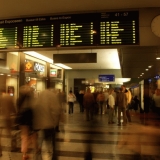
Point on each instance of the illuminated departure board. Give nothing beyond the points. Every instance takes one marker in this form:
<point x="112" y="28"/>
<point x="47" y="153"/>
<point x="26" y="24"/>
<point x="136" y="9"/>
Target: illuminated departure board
<point x="38" y="36"/>
<point x="76" y="34"/>
<point x="8" y="37"/>
<point x="118" y="32"/>
<point x="71" y="30"/>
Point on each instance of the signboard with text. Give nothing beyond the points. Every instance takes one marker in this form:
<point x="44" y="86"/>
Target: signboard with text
<point x="106" y="78"/>
<point x="88" y="29"/>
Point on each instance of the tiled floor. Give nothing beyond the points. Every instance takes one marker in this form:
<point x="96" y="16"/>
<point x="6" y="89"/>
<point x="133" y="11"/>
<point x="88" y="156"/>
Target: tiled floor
<point x="139" y="140"/>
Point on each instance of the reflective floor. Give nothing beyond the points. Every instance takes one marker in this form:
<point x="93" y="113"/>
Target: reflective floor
<point x="139" y="140"/>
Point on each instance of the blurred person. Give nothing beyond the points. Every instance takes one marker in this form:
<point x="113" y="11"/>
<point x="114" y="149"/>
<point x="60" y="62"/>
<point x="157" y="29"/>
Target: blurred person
<point x="71" y="100"/>
<point x="129" y="97"/>
<point x="121" y="101"/>
<point x="111" y="103"/>
<point x="46" y="118"/>
<point x="80" y="100"/>
<point x="88" y="101"/>
<point x="25" y="120"/>
<point x="106" y="95"/>
<point x="136" y="103"/>
<point x="7" y="108"/>
<point x="100" y="100"/>
<point x="156" y="99"/>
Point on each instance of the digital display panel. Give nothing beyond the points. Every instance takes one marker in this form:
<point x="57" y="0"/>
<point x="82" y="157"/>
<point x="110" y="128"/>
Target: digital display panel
<point x="38" y="36"/>
<point x="76" y="34"/>
<point x="119" y="28"/>
<point x="8" y="37"/>
<point x="117" y="32"/>
<point x="73" y="30"/>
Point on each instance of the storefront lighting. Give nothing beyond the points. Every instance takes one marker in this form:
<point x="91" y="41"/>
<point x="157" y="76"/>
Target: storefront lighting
<point x="39" y="56"/>
<point x="62" y="66"/>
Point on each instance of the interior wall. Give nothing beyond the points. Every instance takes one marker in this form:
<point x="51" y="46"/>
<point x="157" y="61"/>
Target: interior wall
<point x="147" y="38"/>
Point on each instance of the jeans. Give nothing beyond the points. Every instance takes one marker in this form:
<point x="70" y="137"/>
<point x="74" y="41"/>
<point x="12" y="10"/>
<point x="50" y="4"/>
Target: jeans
<point x="71" y="104"/>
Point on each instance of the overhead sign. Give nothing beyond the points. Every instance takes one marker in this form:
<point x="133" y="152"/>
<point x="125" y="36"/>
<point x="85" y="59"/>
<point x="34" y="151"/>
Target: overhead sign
<point x="88" y="29"/>
<point x="106" y="78"/>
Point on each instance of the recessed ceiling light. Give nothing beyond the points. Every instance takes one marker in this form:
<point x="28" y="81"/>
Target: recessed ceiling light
<point x="149" y="66"/>
<point x="158" y="58"/>
<point x="142" y="73"/>
<point x="8" y="75"/>
<point x="147" y="69"/>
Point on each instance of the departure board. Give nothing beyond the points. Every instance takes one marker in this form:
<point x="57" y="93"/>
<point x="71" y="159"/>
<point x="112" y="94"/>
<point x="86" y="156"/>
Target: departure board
<point x="8" y="37"/>
<point x="117" y="32"/>
<point x="38" y="36"/>
<point x="76" y="34"/>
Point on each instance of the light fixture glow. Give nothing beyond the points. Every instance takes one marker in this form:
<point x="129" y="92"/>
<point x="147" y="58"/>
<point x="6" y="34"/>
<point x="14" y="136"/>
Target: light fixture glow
<point x="37" y="55"/>
<point x="149" y="66"/>
<point x="8" y="75"/>
<point x="142" y="73"/>
<point x="1" y="74"/>
<point x="158" y="58"/>
<point x="147" y="69"/>
<point x="62" y="66"/>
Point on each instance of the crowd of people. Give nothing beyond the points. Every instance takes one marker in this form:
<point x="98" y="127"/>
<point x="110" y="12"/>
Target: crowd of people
<point x="38" y="118"/>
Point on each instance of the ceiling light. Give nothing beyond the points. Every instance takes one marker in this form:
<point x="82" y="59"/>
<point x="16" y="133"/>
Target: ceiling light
<point x="149" y="66"/>
<point x="8" y="75"/>
<point x="142" y="73"/>
<point x="1" y="74"/>
<point x="39" y="56"/>
<point x="147" y="69"/>
<point x="62" y="66"/>
<point x="158" y="58"/>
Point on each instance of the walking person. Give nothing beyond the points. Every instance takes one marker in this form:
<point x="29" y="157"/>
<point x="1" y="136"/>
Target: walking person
<point x="25" y="120"/>
<point x="6" y="109"/>
<point x="111" y="103"/>
<point x="129" y="98"/>
<point x="100" y="100"/>
<point x="71" y="100"/>
<point x="121" y="101"/>
<point x="46" y="118"/>
<point x="88" y="101"/>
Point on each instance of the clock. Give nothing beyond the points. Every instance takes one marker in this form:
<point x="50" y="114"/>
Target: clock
<point x="155" y="26"/>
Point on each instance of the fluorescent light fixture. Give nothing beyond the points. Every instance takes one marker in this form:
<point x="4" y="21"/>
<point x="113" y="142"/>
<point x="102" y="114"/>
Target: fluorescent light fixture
<point x="158" y="58"/>
<point x="62" y="66"/>
<point x="39" y="56"/>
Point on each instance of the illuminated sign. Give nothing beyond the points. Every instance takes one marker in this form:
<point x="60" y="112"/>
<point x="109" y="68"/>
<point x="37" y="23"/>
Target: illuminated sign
<point x="8" y="37"/>
<point x="106" y="78"/>
<point x="53" y="72"/>
<point x="75" y="34"/>
<point x="39" y="67"/>
<point x="87" y="29"/>
<point x="28" y="66"/>
<point x="38" y="36"/>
